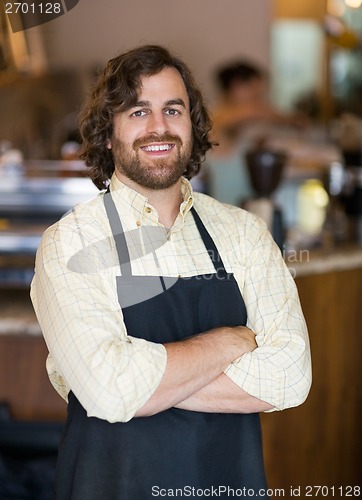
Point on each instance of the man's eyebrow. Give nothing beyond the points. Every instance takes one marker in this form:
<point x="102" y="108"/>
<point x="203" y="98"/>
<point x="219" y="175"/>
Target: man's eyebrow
<point x="170" y="102"/>
<point x="177" y="102"/>
<point x="141" y="104"/>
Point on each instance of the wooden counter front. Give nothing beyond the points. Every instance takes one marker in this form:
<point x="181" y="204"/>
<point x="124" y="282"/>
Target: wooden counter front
<point x="24" y="383"/>
<point x="320" y="442"/>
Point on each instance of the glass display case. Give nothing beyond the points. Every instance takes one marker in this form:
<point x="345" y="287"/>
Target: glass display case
<point x="31" y="202"/>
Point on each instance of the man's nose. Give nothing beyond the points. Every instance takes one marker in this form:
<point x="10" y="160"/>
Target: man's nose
<point x="157" y="123"/>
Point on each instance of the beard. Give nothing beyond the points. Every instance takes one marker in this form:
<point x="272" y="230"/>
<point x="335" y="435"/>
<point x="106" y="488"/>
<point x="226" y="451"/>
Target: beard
<point x="151" y="173"/>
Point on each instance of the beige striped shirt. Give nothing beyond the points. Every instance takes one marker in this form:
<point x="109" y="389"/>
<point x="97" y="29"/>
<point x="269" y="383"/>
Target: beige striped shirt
<point x="75" y="298"/>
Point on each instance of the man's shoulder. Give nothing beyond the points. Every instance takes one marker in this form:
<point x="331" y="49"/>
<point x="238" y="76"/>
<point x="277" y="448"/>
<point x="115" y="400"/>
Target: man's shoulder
<point x="86" y="216"/>
<point x="78" y="243"/>
<point x="213" y="210"/>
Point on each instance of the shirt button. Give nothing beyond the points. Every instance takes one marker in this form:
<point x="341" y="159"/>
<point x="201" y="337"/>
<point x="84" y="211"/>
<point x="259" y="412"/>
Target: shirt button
<point x="148" y="210"/>
<point x="138" y="223"/>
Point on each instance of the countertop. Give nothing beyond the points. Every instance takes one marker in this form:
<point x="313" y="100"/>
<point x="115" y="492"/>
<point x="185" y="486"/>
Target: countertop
<point x="17" y="315"/>
<point x="324" y="260"/>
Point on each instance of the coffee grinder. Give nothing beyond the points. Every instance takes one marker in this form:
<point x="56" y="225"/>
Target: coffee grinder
<point x="266" y="168"/>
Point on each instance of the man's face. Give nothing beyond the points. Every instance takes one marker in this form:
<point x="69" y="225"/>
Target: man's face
<point x="151" y="142"/>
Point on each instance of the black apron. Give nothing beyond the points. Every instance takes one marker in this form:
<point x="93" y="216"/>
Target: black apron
<point x="174" y="449"/>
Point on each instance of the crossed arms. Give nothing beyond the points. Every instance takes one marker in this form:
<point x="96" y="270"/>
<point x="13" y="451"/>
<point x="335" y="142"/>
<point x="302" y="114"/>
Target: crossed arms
<point x="194" y="378"/>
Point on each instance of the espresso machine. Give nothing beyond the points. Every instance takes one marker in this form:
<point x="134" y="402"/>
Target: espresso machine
<point x="266" y="167"/>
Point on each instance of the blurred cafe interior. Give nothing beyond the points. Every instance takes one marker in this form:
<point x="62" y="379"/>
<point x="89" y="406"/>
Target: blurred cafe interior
<point x="305" y="179"/>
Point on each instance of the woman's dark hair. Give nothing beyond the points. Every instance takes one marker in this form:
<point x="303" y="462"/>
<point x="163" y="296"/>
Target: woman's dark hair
<point x="116" y="90"/>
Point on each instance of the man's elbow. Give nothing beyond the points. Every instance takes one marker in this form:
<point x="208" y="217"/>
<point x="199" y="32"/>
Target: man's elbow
<point x="299" y="394"/>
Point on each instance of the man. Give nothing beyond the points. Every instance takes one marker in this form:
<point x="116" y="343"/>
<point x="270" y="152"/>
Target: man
<point x="242" y="120"/>
<point x="171" y="320"/>
<point x="244" y="99"/>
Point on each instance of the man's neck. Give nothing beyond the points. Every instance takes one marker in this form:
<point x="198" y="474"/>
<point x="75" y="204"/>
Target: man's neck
<point x="166" y="201"/>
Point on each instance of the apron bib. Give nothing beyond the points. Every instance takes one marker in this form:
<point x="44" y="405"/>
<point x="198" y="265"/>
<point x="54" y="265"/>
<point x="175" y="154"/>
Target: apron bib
<point x="175" y="449"/>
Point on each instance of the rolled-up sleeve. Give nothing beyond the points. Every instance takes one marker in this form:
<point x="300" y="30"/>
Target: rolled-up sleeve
<point x="111" y="373"/>
<point x="278" y="371"/>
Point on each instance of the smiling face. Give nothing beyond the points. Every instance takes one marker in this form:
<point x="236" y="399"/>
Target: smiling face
<point x="151" y="142"/>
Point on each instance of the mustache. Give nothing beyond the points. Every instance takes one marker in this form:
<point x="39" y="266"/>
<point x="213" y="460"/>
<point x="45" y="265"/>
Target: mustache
<point x="149" y="139"/>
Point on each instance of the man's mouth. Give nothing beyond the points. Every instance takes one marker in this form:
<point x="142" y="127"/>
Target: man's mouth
<point x="161" y="144"/>
<point x="157" y="147"/>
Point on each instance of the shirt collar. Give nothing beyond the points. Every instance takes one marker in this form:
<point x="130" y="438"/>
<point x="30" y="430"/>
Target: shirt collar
<point x="128" y="200"/>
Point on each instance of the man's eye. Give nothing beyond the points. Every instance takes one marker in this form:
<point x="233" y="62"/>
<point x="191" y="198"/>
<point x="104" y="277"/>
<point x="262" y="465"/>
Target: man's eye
<point x="172" y="112"/>
<point x="139" y="112"/>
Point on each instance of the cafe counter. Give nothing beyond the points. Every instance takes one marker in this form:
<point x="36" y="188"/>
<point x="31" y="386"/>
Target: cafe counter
<point x="319" y="443"/>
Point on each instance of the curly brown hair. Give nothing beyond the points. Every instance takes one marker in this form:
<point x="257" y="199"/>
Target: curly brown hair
<point x="117" y="90"/>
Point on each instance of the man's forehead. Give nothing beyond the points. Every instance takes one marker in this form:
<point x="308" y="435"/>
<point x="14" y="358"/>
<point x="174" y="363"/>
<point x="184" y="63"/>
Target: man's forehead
<point x="168" y="79"/>
<point x="166" y="87"/>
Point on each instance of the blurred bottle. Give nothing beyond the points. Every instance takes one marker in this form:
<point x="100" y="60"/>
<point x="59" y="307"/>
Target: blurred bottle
<point x="11" y="160"/>
<point x="336" y="223"/>
<point x="312" y="205"/>
<point x="70" y="151"/>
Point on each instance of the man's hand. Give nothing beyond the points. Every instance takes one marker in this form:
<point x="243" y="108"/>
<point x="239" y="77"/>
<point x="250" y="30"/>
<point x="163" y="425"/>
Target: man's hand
<point x="244" y="337"/>
<point x="195" y="362"/>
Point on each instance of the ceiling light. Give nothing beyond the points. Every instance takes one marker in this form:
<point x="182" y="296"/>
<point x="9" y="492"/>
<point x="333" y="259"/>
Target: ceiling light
<point x="353" y="3"/>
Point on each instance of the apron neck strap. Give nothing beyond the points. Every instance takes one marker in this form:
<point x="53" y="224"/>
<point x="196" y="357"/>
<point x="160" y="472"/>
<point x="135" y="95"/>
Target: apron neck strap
<point x="118" y="234"/>
<point x="208" y="242"/>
